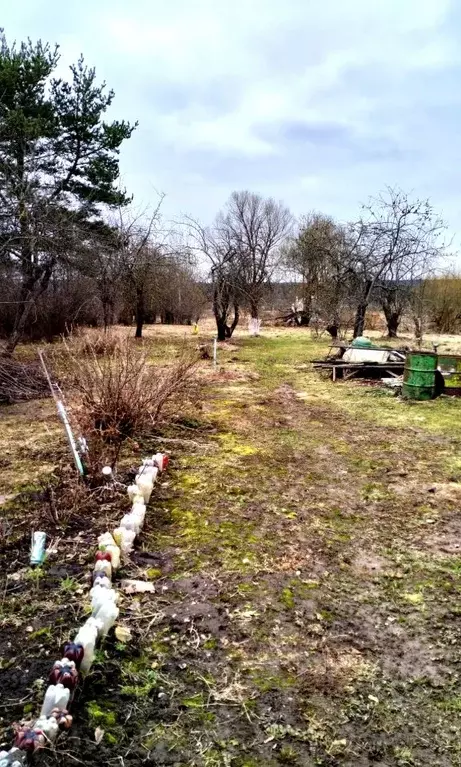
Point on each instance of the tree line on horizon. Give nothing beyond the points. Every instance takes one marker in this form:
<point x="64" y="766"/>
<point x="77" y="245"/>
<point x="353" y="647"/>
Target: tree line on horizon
<point x="73" y="249"/>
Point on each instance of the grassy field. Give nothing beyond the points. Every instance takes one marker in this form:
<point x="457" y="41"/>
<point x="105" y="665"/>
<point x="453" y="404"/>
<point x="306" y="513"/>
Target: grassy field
<point x="305" y="551"/>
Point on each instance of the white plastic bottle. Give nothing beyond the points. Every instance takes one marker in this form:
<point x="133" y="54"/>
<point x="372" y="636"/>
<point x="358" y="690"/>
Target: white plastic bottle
<point x="15" y="757"/>
<point x="56" y="696"/>
<point x="160" y="460"/>
<point x="126" y="541"/>
<point x="107" y="614"/>
<point x="114" y="552"/>
<point x="87" y="636"/>
<point x="145" y="486"/>
<point x="148" y="471"/>
<point x="49" y="727"/>
<point x="132" y="491"/>
<point x="103" y="566"/>
<point x="100" y="595"/>
<point x="139" y="506"/>
<point x="104" y="540"/>
<point x="139" y="510"/>
<point x="139" y="516"/>
<point x="130" y="522"/>
<point x="101" y="579"/>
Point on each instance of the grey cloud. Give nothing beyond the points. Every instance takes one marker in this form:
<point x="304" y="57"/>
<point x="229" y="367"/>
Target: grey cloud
<point x="356" y="95"/>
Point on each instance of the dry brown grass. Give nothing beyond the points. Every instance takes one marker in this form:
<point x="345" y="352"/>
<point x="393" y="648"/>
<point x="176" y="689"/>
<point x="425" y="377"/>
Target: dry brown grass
<point x="94" y="342"/>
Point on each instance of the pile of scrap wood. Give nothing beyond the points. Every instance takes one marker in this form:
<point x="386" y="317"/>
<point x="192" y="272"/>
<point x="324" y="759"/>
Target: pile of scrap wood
<point x="21" y="381"/>
<point x="353" y="362"/>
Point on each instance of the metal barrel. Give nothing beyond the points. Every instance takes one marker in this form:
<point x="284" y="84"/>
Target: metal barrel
<point x="419" y="375"/>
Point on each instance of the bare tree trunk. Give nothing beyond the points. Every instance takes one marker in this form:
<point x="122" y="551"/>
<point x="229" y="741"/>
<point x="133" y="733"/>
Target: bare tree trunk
<point x="32" y="289"/>
<point x="221" y="328"/>
<point x="393" y="322"/>
<point x="254" y="308"/>
<point x="359" y="323"/>
<point x="392" y="303"/>
<point x="306" y="314"/>
<point x="418" y="323"/>
<point x="235" y="321"/>
<point x="360" y="314"/>
<point x="221" y="300"/>
<point x="107" y="312"/>
<point x="139" y="312"/>
<point x="219" y="311"/>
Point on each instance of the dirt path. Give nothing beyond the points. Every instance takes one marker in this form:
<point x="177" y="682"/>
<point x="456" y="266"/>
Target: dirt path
<point x="306" y="612"/>
<point x="308" y="604"/>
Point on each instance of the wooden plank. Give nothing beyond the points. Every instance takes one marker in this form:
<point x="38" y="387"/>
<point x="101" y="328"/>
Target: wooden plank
<point x="360" y="365"/>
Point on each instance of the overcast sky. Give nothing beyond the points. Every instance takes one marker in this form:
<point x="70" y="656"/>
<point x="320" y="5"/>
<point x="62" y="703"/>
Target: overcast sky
<point x="320" y="103"/>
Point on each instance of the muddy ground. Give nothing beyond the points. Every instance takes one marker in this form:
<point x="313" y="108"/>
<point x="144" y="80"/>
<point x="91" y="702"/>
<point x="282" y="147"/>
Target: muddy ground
<point x="305" y="553"/>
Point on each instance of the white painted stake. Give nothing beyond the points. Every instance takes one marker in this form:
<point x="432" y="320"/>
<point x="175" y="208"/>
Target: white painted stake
<point x="215" y="352"/>
<point x="62" y="412"/>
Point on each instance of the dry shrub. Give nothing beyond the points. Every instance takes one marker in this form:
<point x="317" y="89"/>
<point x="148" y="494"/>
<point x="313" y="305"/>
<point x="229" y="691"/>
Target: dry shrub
<point x="97" y="342"/>
<point x="375" y="321"/>
<point x="116" y="396"/>
<point x="21" y="381"/>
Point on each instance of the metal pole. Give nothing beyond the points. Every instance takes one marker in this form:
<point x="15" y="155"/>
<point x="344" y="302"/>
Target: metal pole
<point x="215" y="352"/>
<point x="62" y="412"/>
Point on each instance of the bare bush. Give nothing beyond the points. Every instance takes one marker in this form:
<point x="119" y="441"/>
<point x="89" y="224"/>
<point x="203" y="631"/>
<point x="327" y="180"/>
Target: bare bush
<point x="118" y="395"/>
<point x="443" y="302"/>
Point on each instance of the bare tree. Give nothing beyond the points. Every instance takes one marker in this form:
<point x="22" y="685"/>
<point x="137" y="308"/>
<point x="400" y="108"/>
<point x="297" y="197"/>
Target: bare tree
<point x="179" y="296"/>
<point x="103" y="263"/>
<point x="214" y="244"/>
<point x="395" y="240"/>
<point x="403" y="287"/>
<point x="253" y="229"/>
<point x="141" y="247"/>
<point x="316" y="256"/>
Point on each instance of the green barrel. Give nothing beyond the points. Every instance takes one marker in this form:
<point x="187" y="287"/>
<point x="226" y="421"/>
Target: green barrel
<point x="419" y="375"/>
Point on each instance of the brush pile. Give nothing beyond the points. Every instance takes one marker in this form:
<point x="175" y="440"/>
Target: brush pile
<point x="21" y="381"/>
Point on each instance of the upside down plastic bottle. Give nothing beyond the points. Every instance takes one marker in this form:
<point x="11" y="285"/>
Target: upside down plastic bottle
<point x="131" y="522"/>
<point x="56" y="696"/>
<point x="99" y="597"/>
<point x="88" y="636"/>
<point x="145" y="485"/>
<point x="107" y="614"/>
<point x="49" y="726"/>
<point x="103" y="566"/>
<point x="15" y="757"/>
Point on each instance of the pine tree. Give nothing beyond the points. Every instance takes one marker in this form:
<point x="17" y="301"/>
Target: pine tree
<point x="59" y="165"/>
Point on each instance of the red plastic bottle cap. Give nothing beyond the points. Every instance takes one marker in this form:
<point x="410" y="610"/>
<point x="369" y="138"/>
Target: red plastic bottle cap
<point x="103" y="555"/>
